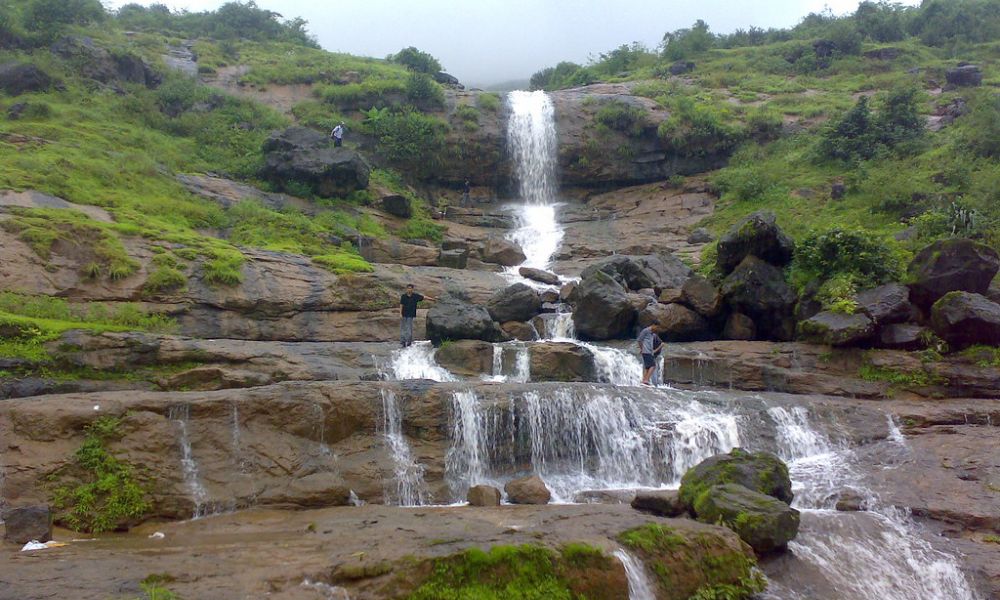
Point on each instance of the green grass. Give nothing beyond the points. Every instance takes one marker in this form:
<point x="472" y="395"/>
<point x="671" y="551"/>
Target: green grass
<point x="921" y="378"/>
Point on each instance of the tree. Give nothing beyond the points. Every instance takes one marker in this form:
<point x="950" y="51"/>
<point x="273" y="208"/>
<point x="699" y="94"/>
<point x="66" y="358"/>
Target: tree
<point x="850" y="137"/>
<point x="416" y="60"/>
<point x="49" y="17"/>
<point x="682" y="43"/>
<point x="880" y="21"/>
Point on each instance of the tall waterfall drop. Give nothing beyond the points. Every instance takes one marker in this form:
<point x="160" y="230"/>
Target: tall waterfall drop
<point x="531" y="136"/>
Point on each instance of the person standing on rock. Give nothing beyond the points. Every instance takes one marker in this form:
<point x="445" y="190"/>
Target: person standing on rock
<point x="466" y="191"/>
<point x="650" y="345"/>
<point x="407" y="312"/>
<point x="338" y="135"/>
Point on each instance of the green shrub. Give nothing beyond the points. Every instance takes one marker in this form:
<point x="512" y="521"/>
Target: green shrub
<point x="623" y="117"/>
<point x="980" y="129"/>
<point x="421" y="227"/>
<point x="488" y="101"/>
<point x="409" y="139"/>
<point x="49" y="17"/>
<point x="225" y="267"/>
<point x="469" y="117"/>
<point x="764" y="123"/>
<point x="423" y="92"/>
<point x="377" y="93"/>
<point x="684" y="43"/>
<point x="699" y="129"/>
<point x="416" y="60"/>
<point x="853" y="255"/>
<point x="107" y="495"/>
<point x="343" y="262"/>
<point x="861" y="135"/>
<point x="165" y="279"/>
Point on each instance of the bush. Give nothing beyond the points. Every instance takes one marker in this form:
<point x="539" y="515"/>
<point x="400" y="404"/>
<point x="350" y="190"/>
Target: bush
<point x="861" y="135"/>
<point x="699" y="129"/>
<point x="49" y="17"/>
<point x="683" y="43"/>
<point x="563" y="75"/>
<point x="488" y="101"/>
<point x="372" y="93"/>
<point x="407" y="138"/>
<point x="623" y="117"/>
<point x="854" y="255"/>
<point x="423" y="92"/>
<point x="764" y="123"/>
<point x="416" y="60"/>
<point x="979" y="130"/>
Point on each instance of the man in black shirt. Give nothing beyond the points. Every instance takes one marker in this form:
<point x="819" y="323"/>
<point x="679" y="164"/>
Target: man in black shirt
<point x="408" y="311"/>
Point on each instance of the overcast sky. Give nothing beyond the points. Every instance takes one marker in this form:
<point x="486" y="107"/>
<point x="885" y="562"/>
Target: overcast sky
<point x="490" y="41"/>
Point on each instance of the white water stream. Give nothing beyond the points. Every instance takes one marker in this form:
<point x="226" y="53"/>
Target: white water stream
<point x="180" y="415"/>
<point x="639" y="586"/>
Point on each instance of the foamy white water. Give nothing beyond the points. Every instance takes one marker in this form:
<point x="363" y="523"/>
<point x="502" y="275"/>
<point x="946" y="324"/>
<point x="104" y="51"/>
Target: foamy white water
<point x="407" y="487"/>
<point x="639" y="586"/>
<point x="416" y="362"/>
<point x="180" y="415"/>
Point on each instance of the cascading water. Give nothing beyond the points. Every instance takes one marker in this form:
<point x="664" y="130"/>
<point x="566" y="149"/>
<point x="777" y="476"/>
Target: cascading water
<point x="520" y="367"/>
<point x="416" y="362"/>
<point x="407" y="487"/>
<point x="531" y="138"/>
<point x="180" y="415"/>
<point x="639" y="586"/>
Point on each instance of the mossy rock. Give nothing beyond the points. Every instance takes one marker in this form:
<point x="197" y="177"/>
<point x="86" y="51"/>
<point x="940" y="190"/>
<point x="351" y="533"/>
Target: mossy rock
<point x="685" y="561"/>
<point x="761" y="472"/>
<point x="764" y="522"/>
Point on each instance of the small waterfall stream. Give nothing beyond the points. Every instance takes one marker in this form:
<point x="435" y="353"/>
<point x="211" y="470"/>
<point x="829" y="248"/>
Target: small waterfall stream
<point x="639" y="586"/>
<point x="180" y="415"/>
<point x="407" y="487"/>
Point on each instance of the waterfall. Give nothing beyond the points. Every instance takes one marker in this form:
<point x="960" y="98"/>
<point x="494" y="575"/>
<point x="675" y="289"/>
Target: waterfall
<point x="180" y="415"/>
<point x="639" y="586"/>
<point x="531" y="138"/>
<point x="416" y="362"/>
<point x="408" y="475"/>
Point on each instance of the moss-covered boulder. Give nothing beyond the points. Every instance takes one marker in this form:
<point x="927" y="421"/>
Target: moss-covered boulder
<point x="762" y="521"/>
<point x="948" y="266"/>
<point x="686" y="563"/>
<point x="756" y="235"/>
<point x="761" y="472"/>
<point x="837" y="329"/>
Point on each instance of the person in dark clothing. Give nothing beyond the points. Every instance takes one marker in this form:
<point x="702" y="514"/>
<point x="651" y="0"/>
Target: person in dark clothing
<point x="465" y="194"/>
<point x="650" y="345"/>
<point x="407" y="312"/>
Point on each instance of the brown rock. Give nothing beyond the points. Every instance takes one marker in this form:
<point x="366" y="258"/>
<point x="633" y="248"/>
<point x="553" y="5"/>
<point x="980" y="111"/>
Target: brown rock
<point x="502" y="252"/>
<point x="562" y="361"/>
<point x="483" y="495"/>
<point x="850" y="501"/>
<point x="739" y="327"/>
<point x="679" y="322"/>
<point x="27" y="523"/>
<point x="702" y="296"/>
<point x="539" y="275"/>
<point x="663" y="503"/>
<point x="671" y="295"/>
<point x="466" y="357"/>
<point x="519" y="330"/>
<point x="527" y="490"/>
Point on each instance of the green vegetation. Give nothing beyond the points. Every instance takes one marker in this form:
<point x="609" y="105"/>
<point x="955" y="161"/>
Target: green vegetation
<point x="991" y="539"/>
<point x="623" y="117"/>
<point x="982" y="356"/>
<point x="105" y="494"/>
<point x="921" y="378"/>
<point x="526" y="572"/>
<point x="416" y="60"/>
<point x="411" y="140"/>
<point x="489" y="101"/>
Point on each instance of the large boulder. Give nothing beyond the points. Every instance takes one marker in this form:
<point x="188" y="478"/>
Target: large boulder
<point x="964" y="76"/>
<point x="539" y="275"/>
<point x="527" y="490"/>
<point x="457" y="258"/>
<point x="26" y="523"/>
<point x="483" y="495"/>
<point x="466" y="357"/>
<point x="94" y="62"/>
<point x="602" y="310"/>
<point x="643" y="272"/>
<point x="305" y="156"/>
<point x="837" y="329"/>
<point x="951" y="265"/>
<point x="765" y="523"/>
<point x="19" y="78"/>
<point x="758" y="290"/>
<point x="455" y="319"/>
<point x="962" y="319"/>
<point x="397" y="205"/>
<point x="663" y="503"/>
<point x="702" y="296"/>
<point x="739" y="327"/>
<point x="562" y="361"/>
<point x="903" y="336"/>
<point x="519" y="330"/>
<point x="679" y="323"/>
<point x="756" y="235"/>
<point x="886" y="304"/>
<point x="500" y="251"/>
<point x="515" y="303"/>
<point x="761" y="472"/>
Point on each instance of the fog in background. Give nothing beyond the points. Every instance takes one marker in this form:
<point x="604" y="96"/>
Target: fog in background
<point x="486" y="42"/>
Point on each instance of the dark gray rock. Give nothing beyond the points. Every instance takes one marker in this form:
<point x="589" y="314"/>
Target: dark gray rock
<point x="964" y="76"/>
<point x="446" y="79"/>
<point x="837" y="329"/>
<point x="94" y="62"/>
<point x="602" y="310"/>
<point x="886" y="304"/>
<point x="639" y="272"/>
<point x="756" y="235"/>
<point x="758" y="290"/>
<point x="902" y="336"/>
<point x="19" y="78"/>
<point x="962" y="319"/>
<point x="305" y="156"/>
<point x="539" y="275"/>
<point x="702" y="296"/>
<point x="763" y="522"/>
<point x="397" y="205"/>
<point x="27" y="523"/>
<point x="514" y="303"/>
<point x="679" y="323"/>
<point x="951" y="265"/>
<point x="453" y="259"/>
<point x="663" y="503"/>
<point x="700" y="236"/>
<point x="455" y="319"/>
<point x="739" y="327"/>
<point x="681" y="67"/>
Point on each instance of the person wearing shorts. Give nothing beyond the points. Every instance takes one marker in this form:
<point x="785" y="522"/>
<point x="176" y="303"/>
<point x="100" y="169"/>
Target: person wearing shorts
<point x="649" y="346"/>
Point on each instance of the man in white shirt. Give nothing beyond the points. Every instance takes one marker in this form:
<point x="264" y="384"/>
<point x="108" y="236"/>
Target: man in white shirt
<point x="338" y="135"/>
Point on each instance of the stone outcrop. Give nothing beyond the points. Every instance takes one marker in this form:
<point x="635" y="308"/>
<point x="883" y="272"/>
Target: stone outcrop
<point x="306" y="156"/>
<point x="500" y="251"/>
<point x="761" y="472"/>
<point x="95" y="62"/>
<point x="455" y="319"/>
<point x="642" y="272"/>
<point x="903" y="336"/>
<point x="964" y="75"/>
<point x="951" y="265"/>
<point x="515" y="303"/>
<point x="679" y="323"/>
<point x="701" y="295"/>
<point x="837" y="329"/>
<point x="663" y="503"/>
<point x="466" y="357"/>
<point x="539" y="275"/>
<point x="483" y="495"/>
<point x="397" y="205"/>
<point x="767" y="524"/>
<point x="19" y="78"/>
<point x="601" y="308"/>
<point x="561" y="361"/>
<point x="26" y="523"/>
<point x="756" y="235"/>
<point x="962" y="319"/>
<point x="886" y="304"/>
<point x="527" y="490"/>
<point x="758" y="290"/>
